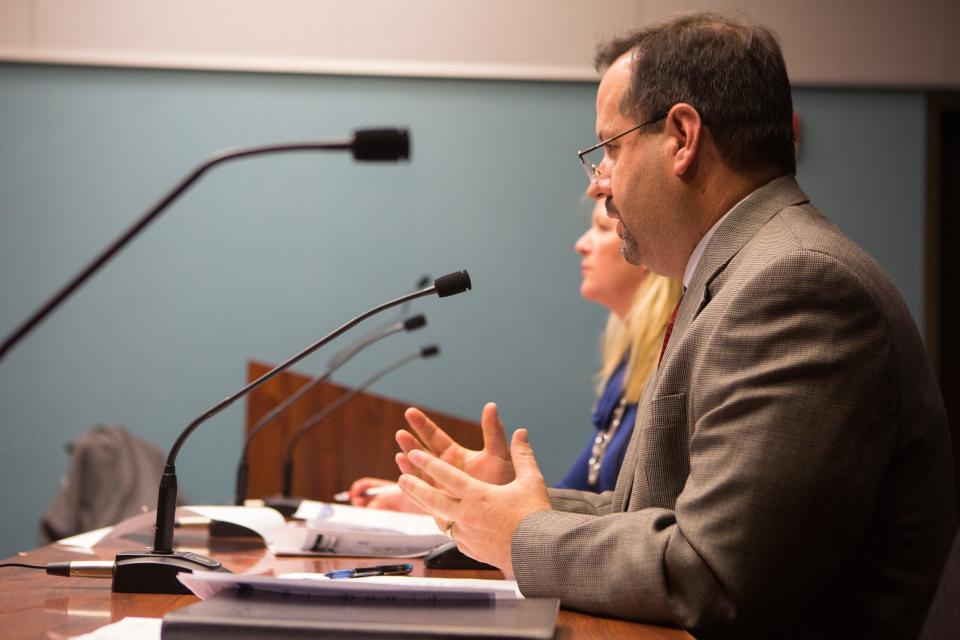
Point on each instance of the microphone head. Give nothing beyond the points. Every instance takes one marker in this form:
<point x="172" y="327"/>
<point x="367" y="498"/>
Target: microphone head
<point x="381" y="144"/>
<point x="429" y="351"/>
<point x="452" y="284"/>
<point x="414" y="322"/>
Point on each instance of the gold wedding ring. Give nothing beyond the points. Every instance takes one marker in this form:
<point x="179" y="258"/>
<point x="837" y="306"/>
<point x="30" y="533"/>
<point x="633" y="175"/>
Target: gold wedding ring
<point x="449" y="530"/>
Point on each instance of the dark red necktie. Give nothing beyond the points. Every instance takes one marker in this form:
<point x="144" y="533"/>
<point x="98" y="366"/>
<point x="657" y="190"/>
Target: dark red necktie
<point x="666" y="335"/>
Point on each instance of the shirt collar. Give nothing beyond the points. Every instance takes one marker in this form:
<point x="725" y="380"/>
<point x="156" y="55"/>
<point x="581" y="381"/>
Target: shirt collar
<point x="702" y="245"/>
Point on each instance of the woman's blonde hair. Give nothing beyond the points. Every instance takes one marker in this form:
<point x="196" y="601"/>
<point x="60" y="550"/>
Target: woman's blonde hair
<point x="640" y="334"/>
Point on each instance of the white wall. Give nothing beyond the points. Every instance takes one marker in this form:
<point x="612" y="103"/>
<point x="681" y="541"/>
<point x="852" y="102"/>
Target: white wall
<point x="876" y="43"/>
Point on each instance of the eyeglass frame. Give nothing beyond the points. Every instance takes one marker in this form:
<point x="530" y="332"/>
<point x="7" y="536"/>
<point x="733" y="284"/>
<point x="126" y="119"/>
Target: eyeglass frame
<point x="593" y="171"/>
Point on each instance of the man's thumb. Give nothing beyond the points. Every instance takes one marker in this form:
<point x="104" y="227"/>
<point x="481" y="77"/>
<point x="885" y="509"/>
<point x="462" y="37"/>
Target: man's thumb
<point x="524" y="462"/>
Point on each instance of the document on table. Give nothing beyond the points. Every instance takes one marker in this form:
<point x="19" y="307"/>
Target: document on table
<point x="261" y="520"/>
<point x="85" y="541"/>
<point x="248" y="613"/>
<point x="207" y="584"/>
<point x="334" y="529"/>
<point x="330" y="529"/>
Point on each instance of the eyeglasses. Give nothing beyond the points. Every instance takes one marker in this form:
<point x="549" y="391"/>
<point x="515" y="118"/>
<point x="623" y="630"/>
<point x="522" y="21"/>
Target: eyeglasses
<point x="592" y="157"/>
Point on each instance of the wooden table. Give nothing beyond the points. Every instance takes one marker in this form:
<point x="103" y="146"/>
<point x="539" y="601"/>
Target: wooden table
<point x="35" y="605"/>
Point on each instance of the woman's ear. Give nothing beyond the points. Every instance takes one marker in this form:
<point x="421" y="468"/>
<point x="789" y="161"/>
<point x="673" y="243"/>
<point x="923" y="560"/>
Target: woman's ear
<point x="685" y="128"/>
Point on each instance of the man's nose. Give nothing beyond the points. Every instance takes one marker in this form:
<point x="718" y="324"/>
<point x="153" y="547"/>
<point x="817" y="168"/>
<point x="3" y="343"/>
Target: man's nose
<point x="599" y="188"/>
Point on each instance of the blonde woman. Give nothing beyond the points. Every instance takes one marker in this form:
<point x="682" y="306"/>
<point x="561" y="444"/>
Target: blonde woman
<point x="640" y="304"/>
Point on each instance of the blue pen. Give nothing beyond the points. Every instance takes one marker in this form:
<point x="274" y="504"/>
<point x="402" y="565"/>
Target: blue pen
<point x="362" y="572"/>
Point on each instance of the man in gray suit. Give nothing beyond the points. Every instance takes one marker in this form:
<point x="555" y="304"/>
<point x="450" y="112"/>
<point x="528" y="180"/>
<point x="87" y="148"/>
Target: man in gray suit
<point x="789" y="474"/>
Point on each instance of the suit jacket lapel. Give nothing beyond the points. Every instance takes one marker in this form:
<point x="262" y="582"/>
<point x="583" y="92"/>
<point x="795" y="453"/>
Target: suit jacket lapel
<point x="743" y="222"/>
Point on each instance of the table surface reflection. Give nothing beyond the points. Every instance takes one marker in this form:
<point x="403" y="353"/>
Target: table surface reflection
<point x="35" y="605"/>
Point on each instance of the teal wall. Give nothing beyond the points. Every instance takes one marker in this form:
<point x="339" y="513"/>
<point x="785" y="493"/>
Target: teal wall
<point x="265" y="255"/>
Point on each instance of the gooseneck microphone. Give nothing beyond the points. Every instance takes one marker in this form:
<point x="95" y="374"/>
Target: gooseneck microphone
<point x="346" y="352"/>
<point x="450" y="284"/>
<point x="380" y="145"/>
<point x="370" y="145"/>
<point x="155" y="571"/>
<point x="243" y="468"/>
<point x="310" y="423"/>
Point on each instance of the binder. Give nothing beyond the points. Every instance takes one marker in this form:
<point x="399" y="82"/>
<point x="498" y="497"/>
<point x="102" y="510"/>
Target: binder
<point x="254" y="615"/>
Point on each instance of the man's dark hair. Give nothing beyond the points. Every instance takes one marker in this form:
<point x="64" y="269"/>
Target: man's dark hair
<point x="732" y="73"/>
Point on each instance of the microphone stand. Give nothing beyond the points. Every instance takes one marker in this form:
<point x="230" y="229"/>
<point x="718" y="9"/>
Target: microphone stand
<point x="243" y="468"/>
<point x="366" y="144"/>
<point x="155" y="571"/>
<point x="286" y="504"/>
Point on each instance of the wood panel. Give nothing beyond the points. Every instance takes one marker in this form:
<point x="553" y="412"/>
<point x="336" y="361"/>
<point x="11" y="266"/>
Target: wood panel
<point x="354" y="441"/>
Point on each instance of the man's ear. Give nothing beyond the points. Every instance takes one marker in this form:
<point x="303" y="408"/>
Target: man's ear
<point x="685" y="128"/>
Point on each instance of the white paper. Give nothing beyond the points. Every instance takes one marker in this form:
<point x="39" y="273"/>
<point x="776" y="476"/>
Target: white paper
<point x="311" y="510"/>
<point x="334" y="529"/>
<point x="500" y="589"/>
<point x="126" y="629"/>
<point x="336" y="540"/>
<point x="85" y="541"/>
<point x="207" y="584"/>
<point x="263" y="521"/>
<point x="331" y="530"/>
<point x="412" y="524"/>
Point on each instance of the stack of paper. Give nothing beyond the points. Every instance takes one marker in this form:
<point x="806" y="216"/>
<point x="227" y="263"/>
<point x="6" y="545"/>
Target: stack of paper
<point x="308" y="606"/>
<point x="333" y="529"/>
<point x="207" y="584"/>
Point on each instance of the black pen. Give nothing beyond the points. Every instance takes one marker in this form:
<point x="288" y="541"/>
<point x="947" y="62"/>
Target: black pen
<point x="362" y="572"/>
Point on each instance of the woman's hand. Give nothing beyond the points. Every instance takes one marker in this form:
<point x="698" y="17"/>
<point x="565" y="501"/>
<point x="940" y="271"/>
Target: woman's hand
<point x="391" y="501"/>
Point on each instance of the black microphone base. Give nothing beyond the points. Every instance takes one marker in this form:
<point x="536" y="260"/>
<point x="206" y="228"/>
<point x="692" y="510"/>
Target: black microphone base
<point x="286" y="505"/>
<point x="148" y="572"/>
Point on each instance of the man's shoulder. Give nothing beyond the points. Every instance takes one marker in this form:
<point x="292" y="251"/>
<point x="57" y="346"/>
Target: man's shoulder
<point x="778" y="218"/>
<point x="778" y="222"/>
<point x="801" y="234"/>
<point x="811" y="230"/>
<point x="799" y="267"/>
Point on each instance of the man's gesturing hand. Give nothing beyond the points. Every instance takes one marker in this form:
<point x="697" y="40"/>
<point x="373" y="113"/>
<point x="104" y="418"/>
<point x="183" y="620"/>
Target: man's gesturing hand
<point x="491" y="464"/>
<point x="484" y="515"/>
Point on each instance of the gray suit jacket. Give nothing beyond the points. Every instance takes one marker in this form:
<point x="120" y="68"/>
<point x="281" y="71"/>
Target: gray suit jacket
<point x="113" y="475"/>
<point x="790" y="471"/>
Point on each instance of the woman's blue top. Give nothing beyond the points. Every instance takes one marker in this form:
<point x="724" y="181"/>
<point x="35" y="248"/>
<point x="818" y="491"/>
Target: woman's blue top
<point x="576" y="477"/>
